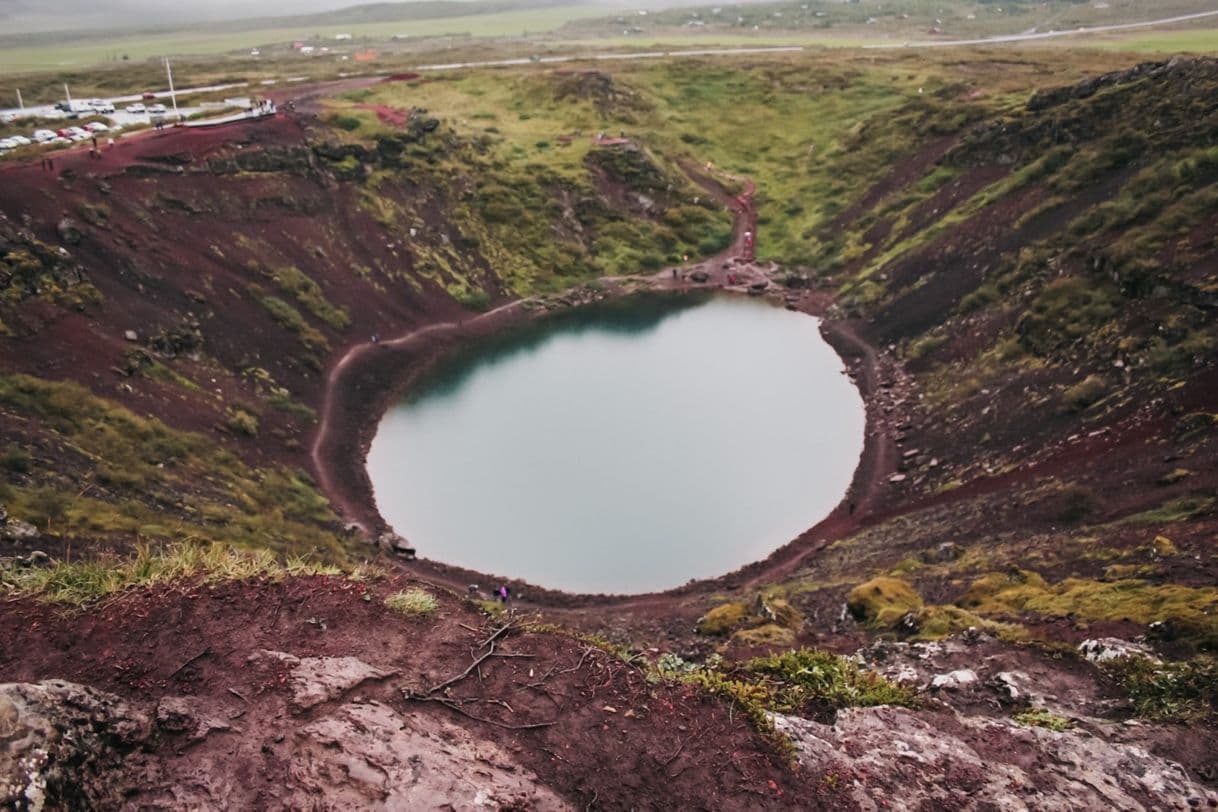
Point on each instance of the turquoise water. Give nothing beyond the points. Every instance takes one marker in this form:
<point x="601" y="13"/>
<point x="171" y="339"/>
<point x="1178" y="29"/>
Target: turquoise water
<point x="625" y="448"/>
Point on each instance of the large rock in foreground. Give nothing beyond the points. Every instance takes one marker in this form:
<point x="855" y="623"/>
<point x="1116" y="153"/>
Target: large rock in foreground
<point x="893" y="758"/>
<point x="59" y="742"/>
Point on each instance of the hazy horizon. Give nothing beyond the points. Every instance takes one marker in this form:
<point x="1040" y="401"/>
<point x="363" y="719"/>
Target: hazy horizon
<point x="35" y="16"/>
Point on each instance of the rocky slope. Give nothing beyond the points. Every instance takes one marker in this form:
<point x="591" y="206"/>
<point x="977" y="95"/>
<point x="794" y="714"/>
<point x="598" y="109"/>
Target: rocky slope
<point x="1022" y="283"/>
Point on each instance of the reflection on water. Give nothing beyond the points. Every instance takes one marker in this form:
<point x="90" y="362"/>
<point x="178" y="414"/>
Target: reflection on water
<point x="627" y="316"/>
<point x="623" y="447"/>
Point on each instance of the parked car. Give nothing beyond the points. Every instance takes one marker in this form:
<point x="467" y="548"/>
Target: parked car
<point x="101" y="106"/>
<point x="157" y="109"/>
<point x="21" y="140"/>
<point x="96" y="127"/>
<point x="8" y="143"/>
<point x="42" y="136"/>
<point x="76" y="133"/>
<point x="136" y="108"/>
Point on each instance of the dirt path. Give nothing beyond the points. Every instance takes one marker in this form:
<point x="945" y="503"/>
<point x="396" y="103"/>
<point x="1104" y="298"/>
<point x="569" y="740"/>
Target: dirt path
<point x="348" y="506"/>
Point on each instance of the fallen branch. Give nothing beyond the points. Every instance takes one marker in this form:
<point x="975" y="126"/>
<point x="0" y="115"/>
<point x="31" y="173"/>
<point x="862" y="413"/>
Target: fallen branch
<point x="455" y="707"/>
<point x="490" y="641"/>
<point x="181" y="667"/>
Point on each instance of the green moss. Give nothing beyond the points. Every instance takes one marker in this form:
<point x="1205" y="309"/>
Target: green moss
<point x="1137" y="601"/>
<point x="147" y="467"/>
<point x="769" y="634"/>
<point x="883" y="601"/>
<point x="936" y="622"/>
<point x="723" y="619"/>
<point x="1039" y="717"/>
<point x="15" y="459"/>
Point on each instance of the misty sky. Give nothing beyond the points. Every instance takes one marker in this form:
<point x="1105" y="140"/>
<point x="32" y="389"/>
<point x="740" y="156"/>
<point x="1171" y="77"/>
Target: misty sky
<point x="18" y="16"/>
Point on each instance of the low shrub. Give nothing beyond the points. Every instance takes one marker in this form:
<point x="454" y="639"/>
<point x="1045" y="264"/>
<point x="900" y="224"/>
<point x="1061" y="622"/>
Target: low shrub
<point x="1180" y="691"/>
<point x="797" y="681"/>
<point x="15" y="459"/>
<point x="1085" y="393"/>
<point x="241" y="422"/>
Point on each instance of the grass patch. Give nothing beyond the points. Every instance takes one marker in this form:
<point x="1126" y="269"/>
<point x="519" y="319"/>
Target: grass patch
<point x="135" y="475"/>
<point x="241" y="422"/>
<point x="414" y="602"/>
<point x="803" y="680"/>
<point x="309" y="294"/>
<point x="1185" y="691"/>
<point x="81" y="583"/>
<point x="288" y="317"/>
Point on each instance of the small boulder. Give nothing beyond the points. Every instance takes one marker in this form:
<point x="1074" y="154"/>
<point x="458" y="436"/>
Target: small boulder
<point x="17" y="530"/>
<point x="69" y="231"/>
<point x="1106" y="649"/>
<point x="954" y="680"/>
<point x="396" y="545"/>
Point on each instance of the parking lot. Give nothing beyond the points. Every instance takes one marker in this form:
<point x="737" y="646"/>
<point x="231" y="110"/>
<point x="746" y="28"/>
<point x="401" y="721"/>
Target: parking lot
<point x="19" y="123"/>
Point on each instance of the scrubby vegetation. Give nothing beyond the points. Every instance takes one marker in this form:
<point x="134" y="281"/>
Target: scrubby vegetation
<point x="413" y="602"/>
<point x="83" y="582"/>
<point x="1181" y="691"/>
<point x="1039" y="717"/>
<point x="136" y="476"/>
<point x="803" y="681"/>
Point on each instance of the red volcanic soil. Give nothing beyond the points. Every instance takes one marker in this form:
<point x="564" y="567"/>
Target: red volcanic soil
<point x="183" y="231"/>
<point x="393" y="116"/>
<point x="592" y="727"/>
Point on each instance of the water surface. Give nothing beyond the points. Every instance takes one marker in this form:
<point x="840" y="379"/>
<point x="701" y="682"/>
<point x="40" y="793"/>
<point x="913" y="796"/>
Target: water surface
<point x="623" y="448"/>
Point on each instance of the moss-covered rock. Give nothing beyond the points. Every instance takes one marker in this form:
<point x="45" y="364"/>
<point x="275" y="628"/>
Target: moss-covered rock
<point x="771" y="634"/>
<point x="883" y="601"/>
<point x="723" y="619"/>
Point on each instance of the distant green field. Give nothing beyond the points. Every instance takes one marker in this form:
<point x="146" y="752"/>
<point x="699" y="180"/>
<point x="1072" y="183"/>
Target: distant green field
<point x="1203" y="40"/>
<point x="92" y="52"/>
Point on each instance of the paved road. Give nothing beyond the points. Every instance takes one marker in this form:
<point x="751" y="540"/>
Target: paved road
<point x="1029" y="36"/>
